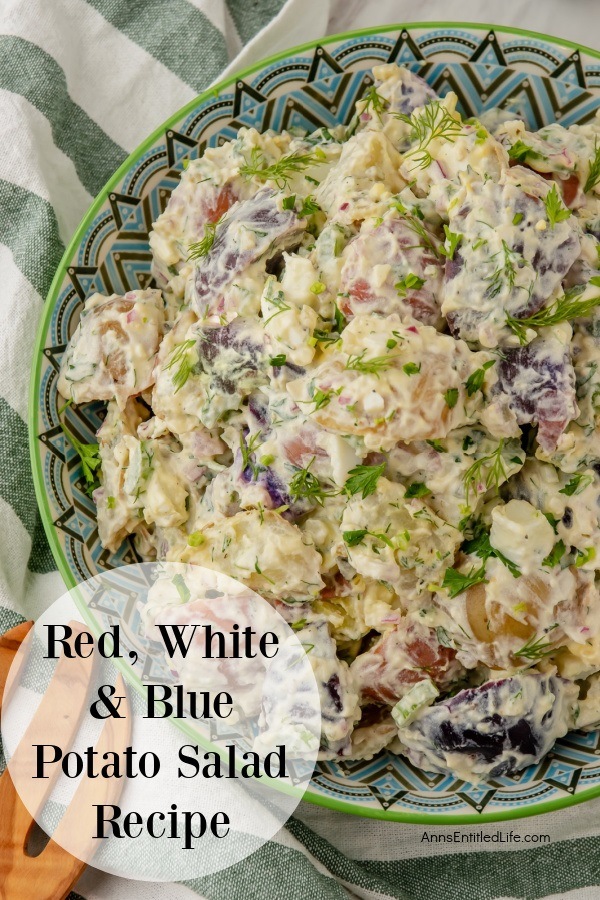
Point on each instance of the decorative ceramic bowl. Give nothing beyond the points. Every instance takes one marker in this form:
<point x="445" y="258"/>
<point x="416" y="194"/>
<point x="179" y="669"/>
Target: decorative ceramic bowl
<point x="540" y="78"/>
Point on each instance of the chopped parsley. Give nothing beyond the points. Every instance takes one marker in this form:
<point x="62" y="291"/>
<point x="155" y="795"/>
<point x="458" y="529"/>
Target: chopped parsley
<point x="451" y="397"/>
<point x="89" y="454"/>
<point x="476" y="379"/>
<point x="309" y="206"/>
<point x="555" y="555"/>
<point x="576" y="485"/>
<point x="555" y="209"/>
<point x="372" y="366"/>
<point x="453" y="239"/>
<point x="456" y="582"/>
<point x="520" y="151"/>
<point x="363" y="480"/>
<point x="354" y="538"/>
<point x="417" y="489"/>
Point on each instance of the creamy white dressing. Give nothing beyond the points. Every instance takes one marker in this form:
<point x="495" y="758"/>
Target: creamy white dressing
<point x="368" y="387"/>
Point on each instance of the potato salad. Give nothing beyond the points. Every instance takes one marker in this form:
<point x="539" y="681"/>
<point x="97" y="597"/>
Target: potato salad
<point x="366" y="384"/>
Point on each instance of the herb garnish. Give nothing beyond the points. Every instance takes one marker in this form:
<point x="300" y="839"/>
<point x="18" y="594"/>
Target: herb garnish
<point x="305" y="485"/>
<point x="363" y="480"/>
<point x="476" y="379"/>
<point x="89" y="454"/>
<point x="576" y="484"/>
<point x="456" y="582"/>
<point x="417" y="489"/>
<point x="180" y="357"/>
<point x="434" y="122"/>
<point x="410" y="282"/>
<point x="281" y="171"/>
<point x="536" y="648"/>
<point x="594" y="173"/>
<point x="555" y="210"/>
<point x="563" y="309"/>
<point x="496" y="474"/>
<point x="202" y="248"/>
<point x="555" y="555"/>
<point x="372" y="366"/>
<point x="453" y="239"/>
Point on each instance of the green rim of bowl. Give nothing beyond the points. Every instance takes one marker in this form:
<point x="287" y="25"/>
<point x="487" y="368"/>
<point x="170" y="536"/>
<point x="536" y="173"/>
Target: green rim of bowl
<point x="36" y="461"/>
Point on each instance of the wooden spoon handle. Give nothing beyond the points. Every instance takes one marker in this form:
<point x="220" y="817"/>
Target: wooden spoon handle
<point x="52" y="874"/>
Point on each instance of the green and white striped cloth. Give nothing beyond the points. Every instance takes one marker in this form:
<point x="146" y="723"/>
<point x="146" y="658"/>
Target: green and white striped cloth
<point x="63" y="135"/>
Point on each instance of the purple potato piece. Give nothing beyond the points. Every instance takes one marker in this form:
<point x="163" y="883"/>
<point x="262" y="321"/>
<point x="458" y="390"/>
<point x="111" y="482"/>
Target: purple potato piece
<point x="496" y="729"/>
<point x="504" y="263"/>
<point x="275" y="230"/>
<point x="539" y="381"/>
<point x="233" y="356"/>
<point x="407" y="92"/>
<point x="338" y="697"/>
<point x="277" y="491"/>
<point x="259" y="411"/>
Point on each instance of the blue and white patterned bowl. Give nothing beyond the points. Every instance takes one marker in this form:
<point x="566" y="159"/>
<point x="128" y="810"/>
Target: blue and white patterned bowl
<point x="543" y="80"/>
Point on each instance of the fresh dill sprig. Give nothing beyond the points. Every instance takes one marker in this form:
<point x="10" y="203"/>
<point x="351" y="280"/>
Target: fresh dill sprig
<point x="306" y="485"/>
<point x="247" y="450"/>
<point x="372" y="366"/>
<point x="89" y="454"/>
<point x="434" y="122"/>
<point x="181" y="357"/>
<point x="281" y="171"/>
<point x="203" y="247"/>
<point x="506" y="271"/>
<point x="555" y="209"/>
<point x="563" y="309"/>
<point x="495" y="475"/>
<point x="594" y="173"/>
<point x="415" y="223"/>
<point x="363" y="480"/>
<point x="278" y="301"/>
<point x="373" y="100"/>
<point x="536" y="648"/>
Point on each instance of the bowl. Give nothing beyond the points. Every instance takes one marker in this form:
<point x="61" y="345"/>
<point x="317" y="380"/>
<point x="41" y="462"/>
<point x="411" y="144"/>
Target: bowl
<point x="542" y="79"/>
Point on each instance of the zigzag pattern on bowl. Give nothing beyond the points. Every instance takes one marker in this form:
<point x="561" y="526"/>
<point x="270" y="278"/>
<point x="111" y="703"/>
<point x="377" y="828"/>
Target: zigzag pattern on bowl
<point x="538" y="80"/>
